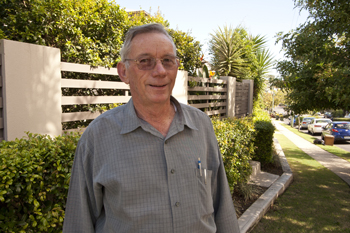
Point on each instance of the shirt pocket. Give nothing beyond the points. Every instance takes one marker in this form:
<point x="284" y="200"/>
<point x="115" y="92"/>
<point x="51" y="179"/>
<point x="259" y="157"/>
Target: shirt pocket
<point x="204" y="191"/>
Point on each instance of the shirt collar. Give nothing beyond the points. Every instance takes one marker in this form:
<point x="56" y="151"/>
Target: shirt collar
<point x="130" y="119"/>
<point x="132" y="122"/>
<point x="183" y="119"/>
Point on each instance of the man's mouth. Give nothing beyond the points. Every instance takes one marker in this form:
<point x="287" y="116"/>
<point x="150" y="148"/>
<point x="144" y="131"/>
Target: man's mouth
<point x="157" y="85"/>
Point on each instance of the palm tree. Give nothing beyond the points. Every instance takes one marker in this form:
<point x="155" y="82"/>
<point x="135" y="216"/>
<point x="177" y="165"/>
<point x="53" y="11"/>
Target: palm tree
<point x="265" y="61"/>
<point x="239" y="54"/>
<point x="228" y="48"/>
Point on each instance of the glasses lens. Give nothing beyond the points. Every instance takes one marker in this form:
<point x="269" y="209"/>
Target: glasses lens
<point x="146" y="63"/>
<point x="149" y="63"/>
<point x="169" y="63"/>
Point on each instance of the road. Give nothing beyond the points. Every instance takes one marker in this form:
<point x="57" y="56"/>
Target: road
<point x="342" y="145"/>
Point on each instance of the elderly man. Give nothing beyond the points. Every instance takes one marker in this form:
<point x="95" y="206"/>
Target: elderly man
<point x="152" y="165"/>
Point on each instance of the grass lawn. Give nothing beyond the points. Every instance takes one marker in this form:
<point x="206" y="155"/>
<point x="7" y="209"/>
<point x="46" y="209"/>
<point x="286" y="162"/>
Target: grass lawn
<point x="317" y="200"/>
<point x="331" y="149"/>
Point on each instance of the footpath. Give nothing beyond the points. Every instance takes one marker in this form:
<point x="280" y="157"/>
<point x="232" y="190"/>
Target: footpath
<point x="339" y="166"/>
<point x="277" y="185"/>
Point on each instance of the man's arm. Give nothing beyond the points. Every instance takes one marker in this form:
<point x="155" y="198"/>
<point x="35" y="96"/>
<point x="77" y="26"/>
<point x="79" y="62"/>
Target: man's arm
<point x="84" y="200"/>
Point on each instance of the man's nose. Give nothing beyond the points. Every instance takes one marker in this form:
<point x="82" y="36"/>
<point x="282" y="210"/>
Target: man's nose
<point x="159" y="68"/>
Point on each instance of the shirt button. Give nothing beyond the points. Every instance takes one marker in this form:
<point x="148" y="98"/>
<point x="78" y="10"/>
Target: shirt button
<point x="177" y="204"/>
<point x="172" y="171"/>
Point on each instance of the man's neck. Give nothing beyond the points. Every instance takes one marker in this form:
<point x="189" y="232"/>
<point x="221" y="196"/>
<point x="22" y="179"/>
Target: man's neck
<point x="159" y="116"/>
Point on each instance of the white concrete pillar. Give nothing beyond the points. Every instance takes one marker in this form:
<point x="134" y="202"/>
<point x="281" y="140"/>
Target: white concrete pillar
<point x="31" y="78"/>
<point x="180" y="91"/>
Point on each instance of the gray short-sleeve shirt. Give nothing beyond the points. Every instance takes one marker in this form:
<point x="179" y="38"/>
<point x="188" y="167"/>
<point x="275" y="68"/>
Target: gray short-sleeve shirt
<point x="128" y="177"/>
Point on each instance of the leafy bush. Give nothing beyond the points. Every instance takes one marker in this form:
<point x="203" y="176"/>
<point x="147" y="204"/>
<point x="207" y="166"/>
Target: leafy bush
<point x="235" y="138"/>
<point x="341" y="119"/>
<point x="264" y="137"/>
<point x="35" y="173"/>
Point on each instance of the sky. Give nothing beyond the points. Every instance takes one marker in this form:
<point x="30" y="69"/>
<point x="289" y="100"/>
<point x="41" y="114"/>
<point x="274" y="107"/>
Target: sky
<point x="200" y="18"/>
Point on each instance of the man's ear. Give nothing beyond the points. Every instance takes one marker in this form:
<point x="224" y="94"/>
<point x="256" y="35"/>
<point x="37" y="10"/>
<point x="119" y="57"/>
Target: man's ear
<point x="122" y="72"/>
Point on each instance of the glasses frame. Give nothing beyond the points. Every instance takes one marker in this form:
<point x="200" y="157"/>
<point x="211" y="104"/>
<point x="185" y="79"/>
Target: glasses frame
<point x="137" y="61"/>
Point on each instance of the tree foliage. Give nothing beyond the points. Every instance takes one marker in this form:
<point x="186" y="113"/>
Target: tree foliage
<point x="316" y="71"/>
<point x="272" y="98"/>
<point x="87" y="32"/>
<point x="264" y="62"/>
<point x="239" y="54"/>
<point x="232" y="52"/>
<point x="188" y="50"/>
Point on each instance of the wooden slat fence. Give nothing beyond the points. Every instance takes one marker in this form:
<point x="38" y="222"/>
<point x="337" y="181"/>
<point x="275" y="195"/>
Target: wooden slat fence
<point x="89" y="84"/>
<point x="208" y="95"/>
<point x="242" y="92"/>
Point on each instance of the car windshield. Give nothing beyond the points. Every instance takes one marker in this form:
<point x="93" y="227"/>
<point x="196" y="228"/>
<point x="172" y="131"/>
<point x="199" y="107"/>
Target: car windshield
<point x="342" y="126"/>
<point x="308" y="119"/>
<point x="322" y="121"/>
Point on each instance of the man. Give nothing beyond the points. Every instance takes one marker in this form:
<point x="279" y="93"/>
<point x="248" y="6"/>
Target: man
<point x="152" y="165"/>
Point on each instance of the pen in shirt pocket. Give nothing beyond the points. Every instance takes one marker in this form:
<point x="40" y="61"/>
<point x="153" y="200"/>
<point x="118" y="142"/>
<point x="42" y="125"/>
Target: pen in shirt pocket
<point x="200" y="166"/>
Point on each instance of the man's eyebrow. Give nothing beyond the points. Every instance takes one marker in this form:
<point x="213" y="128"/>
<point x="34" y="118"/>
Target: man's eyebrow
<point x="144" y="54"/>
<point x="148" y="54"/>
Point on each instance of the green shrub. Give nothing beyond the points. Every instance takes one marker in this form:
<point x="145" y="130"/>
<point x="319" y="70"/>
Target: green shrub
<point x="338" y="113"/>
<point x="264" y="137"/>
<point x="341" y="119"/>
<point x="235" y="138"/>
<point x="35" y="173"/>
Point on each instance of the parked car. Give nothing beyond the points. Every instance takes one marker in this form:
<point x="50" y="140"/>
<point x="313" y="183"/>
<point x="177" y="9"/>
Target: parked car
<point x="316" y="125"/>
<point x="339" y="129"/>
<point x="305" y="122"/>
<point x="327" y="115"/>
<point x="290" y="119"/>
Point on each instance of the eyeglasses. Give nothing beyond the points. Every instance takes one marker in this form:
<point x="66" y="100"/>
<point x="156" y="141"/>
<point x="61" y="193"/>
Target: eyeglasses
<point x="148" y="63"/>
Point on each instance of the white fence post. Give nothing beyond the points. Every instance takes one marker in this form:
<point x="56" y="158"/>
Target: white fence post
<point x="31" y="88"/>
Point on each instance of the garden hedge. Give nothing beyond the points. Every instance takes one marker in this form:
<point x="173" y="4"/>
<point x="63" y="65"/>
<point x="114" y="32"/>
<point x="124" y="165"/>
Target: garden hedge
<point x="35" y="173"/>
<point x="235" y="137"/>
<point x="263" y="141"/>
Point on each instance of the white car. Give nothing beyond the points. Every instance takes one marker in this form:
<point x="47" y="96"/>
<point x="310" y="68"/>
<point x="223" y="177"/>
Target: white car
<point x="305" y="122"/>
<point x="316" y="125"/>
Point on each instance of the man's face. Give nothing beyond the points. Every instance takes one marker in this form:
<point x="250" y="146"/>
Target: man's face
<point x="150" y="87"/>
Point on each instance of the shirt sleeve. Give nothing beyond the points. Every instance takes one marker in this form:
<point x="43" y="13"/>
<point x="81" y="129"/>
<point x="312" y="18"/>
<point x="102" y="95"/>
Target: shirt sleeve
<point x="225" y="214"/>
<point x="84" y="201"/>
